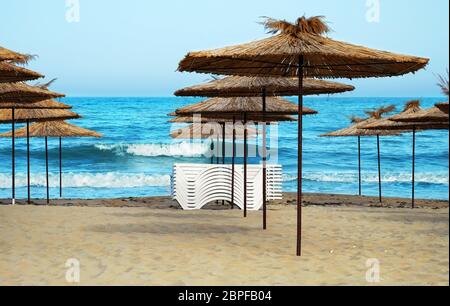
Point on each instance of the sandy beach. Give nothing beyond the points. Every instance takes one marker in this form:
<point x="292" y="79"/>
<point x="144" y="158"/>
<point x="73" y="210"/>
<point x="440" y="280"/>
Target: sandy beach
<point x="154" y="244"/>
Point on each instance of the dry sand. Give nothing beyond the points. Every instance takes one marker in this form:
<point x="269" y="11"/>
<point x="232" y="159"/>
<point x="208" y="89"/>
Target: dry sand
<point x="146" y="246"/>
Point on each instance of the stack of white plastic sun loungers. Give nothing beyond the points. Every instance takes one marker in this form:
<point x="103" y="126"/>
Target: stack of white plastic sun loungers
<point x="196" y="185"/>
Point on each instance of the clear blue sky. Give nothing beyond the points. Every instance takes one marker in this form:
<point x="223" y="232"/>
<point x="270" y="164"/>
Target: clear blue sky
<point x="132" y="48"/>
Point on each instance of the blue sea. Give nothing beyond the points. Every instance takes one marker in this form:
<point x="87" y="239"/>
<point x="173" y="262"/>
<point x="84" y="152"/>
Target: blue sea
<point x="136" y="155"/>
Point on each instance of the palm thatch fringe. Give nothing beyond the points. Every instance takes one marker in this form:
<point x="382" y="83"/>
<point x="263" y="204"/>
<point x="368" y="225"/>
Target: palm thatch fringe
<point x="36" y="115"/>
<point x="23" y="93"/>
<point x="10" y="73"/>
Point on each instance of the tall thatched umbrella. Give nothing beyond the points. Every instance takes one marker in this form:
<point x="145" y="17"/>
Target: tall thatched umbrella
<point x="356" y="131"/>
<point x="14" y="116"/>
<point x="396" y="123"/>
<point x="268" y="106"/>
<point x="301" y="50"/>
<point x="57" y="129"/>
<point x="10" y="73"/>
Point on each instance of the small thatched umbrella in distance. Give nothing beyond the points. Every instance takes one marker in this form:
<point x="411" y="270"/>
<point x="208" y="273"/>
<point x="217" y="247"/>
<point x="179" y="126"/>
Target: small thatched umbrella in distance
<point x="356" y="131"/>
<point x="31" y="115"/>
<point x="10" y="73"/>
<point x="58" y="129"/>
<point x="301" y="50"/>
<point x="437" y="114"/>
<point x="14" y="95"/>
<point x="395" y="123"/>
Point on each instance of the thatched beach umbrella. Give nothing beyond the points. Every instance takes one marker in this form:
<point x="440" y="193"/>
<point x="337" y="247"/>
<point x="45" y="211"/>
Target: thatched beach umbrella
<point x="236" y="86"/>
<point x="54" y="129"/>
<point x="10" y="73"/>
<point x="437" y="114"/>
<point x="395" y="123"/>
<point x="356" y="131"/>
<point x="14" y="116"/>
<point x="13" y="95"/>
<point x="301" y="50"/>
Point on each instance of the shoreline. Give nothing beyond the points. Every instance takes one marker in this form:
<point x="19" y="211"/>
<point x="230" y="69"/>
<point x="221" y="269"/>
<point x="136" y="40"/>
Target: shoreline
<point x="289" y="199"/>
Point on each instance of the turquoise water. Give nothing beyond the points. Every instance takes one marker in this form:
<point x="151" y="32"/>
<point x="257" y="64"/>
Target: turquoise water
<point x="136" y="155"/>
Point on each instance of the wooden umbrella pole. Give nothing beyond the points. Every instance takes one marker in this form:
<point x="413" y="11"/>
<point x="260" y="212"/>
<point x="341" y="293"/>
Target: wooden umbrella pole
<point x="359" y="166"/>
<point x="212" y="152"/>
<point x="414" y="168"/>
<point x="13" y="161"/>
<point x="300" y="155"/>
<point x="223" y="149"/>
<point x="379" y="169"/>
<point x="217" y="150"/>
<point x="264" y="159"/>
<point x="60" y="167"/>
<point x="28" y="163"/>
<point x="46" y="169"/>
<point x="245" y="164"/>
<point x="233" y="161"/>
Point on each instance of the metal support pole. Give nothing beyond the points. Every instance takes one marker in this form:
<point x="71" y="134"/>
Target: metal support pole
<point x="60" y="168"/>
<point x="233" y="161"/>
<point x="300" y="154"/>
<point x="414" y="168"/>
<point x="223" y="149"/>
<point x="13" y="153"/>
<point x="264" y="159"/>
<point x="245" y="164"/>
<point x="28" y="163"/>
<point x="46" y="170"/>
<point x="379" y="169"/>
<point x="359" y="166"/>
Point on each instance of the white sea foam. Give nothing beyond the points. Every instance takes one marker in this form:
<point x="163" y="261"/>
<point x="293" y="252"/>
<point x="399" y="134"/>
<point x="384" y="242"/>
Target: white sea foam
<point x="337" y="177"/>
<point x="90" y="180"/>
<point x="183" y="149"/>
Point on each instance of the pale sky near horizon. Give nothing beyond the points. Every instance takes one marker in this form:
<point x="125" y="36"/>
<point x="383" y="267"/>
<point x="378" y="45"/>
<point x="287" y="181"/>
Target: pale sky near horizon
<point x="132" y="48"/>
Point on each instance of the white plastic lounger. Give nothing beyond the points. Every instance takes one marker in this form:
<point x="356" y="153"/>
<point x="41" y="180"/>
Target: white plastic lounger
<point x="196" y="185"/>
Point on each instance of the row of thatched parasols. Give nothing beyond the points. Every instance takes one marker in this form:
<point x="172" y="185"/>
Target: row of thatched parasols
<point x="411" y="120"/>
<point x="22" y="103"/>
<point x="301" y="50"/>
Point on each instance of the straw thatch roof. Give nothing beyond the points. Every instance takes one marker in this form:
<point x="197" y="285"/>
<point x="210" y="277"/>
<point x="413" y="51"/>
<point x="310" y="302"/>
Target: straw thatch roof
<point x="229" y="118"/>
<point x="23" y="93"/>
<point x="356" y="130"/>
<point x="236" y="86"/>
<point x="53" y="129"/>
<point x="435" y="114"/>
<point x="239" y="105"/>
<point x="211" y="130"/>
<point x="46" y="104"/>
<point x="392" y="124"/>
<point x="358" y="123"/>
<point x="443" y="107"/>
<point x="10" y="73"/>
<point x="389" y="125"/>
<point x="279" y="55"/>
<point x="15" y="57"/>
<point x="36" y="115"/>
